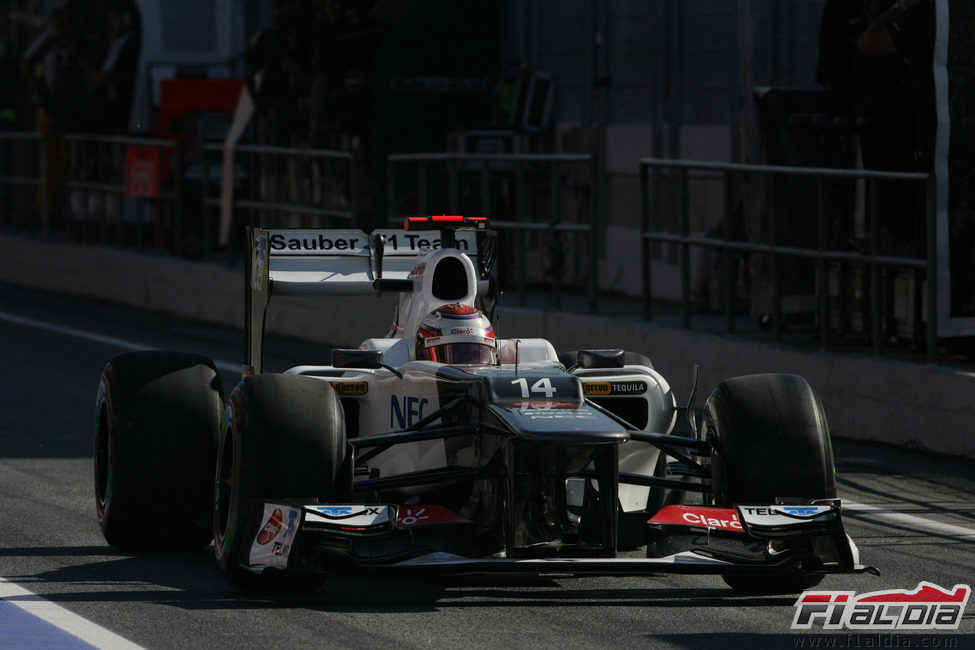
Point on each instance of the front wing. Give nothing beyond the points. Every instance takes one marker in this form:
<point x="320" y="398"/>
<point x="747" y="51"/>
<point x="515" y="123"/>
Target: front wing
<point x="750" y="539"/>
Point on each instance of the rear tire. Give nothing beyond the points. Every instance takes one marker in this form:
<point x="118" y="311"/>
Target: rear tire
<point x="769" y="439"/>
<point x="157" y="417"/>
<point x="283" y="438"/>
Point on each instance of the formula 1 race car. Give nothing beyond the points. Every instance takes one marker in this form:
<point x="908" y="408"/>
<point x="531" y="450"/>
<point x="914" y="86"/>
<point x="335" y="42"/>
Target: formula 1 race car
<point x="443" y="448"/>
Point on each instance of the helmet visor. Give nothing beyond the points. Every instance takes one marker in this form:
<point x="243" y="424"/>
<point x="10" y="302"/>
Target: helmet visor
<point x="475" y="353"/>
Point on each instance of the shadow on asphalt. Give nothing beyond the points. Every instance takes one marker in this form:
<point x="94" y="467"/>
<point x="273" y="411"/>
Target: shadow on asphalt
<point x="190" y="580"/>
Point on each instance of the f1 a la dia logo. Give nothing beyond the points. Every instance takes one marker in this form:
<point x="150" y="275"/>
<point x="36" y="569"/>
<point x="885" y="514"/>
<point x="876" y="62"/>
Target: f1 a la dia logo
<point x="928" y="607"/>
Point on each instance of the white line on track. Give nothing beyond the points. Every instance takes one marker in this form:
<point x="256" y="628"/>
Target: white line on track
<point x="92" y="336"/>
<point x="61" y="618"/>
<point x="908" y="520"/>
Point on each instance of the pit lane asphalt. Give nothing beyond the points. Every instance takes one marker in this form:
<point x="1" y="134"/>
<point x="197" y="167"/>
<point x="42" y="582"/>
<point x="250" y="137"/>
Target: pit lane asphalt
<point x="52" y="349"/>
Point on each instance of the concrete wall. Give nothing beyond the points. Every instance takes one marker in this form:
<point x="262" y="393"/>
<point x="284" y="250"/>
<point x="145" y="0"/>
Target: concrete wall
<point x="867" y="399"/>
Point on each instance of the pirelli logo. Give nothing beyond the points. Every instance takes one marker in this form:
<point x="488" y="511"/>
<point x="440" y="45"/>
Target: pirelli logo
<point x="597" y="388"/>
<point x="350" y="388"/>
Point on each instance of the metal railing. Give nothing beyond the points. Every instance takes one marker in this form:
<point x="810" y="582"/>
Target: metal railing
<point x="552" y="226"/>
<point x="101" y="203"/>
<point x="76" y="184"/>
<point x="655" y="172"/>
<point x="24" y="195"/>
<point x="282" y="187"/>
<point x="87" y="186"/>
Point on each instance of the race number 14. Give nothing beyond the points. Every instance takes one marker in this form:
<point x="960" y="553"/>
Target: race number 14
<point x="543" y="386"/>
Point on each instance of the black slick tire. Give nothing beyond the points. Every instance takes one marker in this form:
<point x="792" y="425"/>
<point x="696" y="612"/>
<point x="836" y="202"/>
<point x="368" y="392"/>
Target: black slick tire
<point x="283" y="438"/>
<point x="769" y="440"/>
<point x="157" y="417"/>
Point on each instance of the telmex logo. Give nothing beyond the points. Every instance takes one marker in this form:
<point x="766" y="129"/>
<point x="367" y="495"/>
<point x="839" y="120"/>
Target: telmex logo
<point x="347" y="512"/>
<point x="928" y="607"/>
<point x="799" y="511"/>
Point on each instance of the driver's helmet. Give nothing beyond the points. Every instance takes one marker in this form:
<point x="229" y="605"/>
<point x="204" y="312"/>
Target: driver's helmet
<point x="456" y="334"/>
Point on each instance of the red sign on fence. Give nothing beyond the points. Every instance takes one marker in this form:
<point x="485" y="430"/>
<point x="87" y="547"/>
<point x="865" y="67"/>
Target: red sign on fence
<point x="142" y="171"/>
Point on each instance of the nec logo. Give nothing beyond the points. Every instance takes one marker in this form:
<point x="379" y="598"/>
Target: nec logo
<point x="335" y="511"/>
<point x="406" y="413"/>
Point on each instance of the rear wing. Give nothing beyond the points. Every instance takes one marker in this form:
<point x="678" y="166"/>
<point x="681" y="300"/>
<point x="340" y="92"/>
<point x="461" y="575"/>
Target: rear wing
<point x="347" y="263"/>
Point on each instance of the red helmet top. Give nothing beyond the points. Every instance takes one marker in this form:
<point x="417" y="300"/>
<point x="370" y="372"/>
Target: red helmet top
<point x="456" y="334"/>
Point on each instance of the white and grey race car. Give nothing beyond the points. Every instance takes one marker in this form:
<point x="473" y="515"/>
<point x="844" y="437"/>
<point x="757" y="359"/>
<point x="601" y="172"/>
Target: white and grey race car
<point x="401" y="455"/>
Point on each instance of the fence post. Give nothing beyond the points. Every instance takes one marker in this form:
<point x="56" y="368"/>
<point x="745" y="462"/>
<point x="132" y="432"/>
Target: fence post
<point x="44" y="185"/>
<point x="557" y="294"/>
<point x="520" y="233"/>
<point x="685" y="251"/>
<point x="118" y="166"/>
<point x="72" y="169"/>
<point x="99" y="147"/>
<point x="822" y="268"/>
<point x="355" y="160"/>
<point x="485" y="189"/>
<point x="595" y="227"/>
<point x="421" y="172"/>
<point x="204" y="196"/>
<point x="646" y="281"/>
<point x="390" y="190"/>
<point x="777" y="324"/>
<point x="875" y="324"/>
<point x="556" y="218"/>
<point x="727" y="258"/>
<point x="452" y="177"/>
<point x="177" y="207"/>
<point x="932" y="269"/>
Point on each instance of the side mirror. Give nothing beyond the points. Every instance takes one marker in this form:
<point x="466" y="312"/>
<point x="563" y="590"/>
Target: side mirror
<point x="347" y="358"/>
<point x="601" y="358"/>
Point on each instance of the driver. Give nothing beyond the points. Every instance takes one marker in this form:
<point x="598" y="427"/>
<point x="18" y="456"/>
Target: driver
<point x="456" y="334"/>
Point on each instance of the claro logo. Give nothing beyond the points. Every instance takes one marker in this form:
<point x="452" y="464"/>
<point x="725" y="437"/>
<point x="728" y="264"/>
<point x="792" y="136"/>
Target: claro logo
<point x="699" y="516"/>
<point x="697" y="519"/>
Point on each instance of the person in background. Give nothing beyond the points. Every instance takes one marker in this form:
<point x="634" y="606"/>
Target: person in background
<point x="895" y="94"/>
<point x="906" y="30"/>
<point x="113" y="81"/>
<point x="839" y="29"/>
<point x="280" y="58"/>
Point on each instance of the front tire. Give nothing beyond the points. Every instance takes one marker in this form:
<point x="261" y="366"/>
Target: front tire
<point x="157" y="417"/>
<point x="283" y="437"/>
<point x="769" y="440"/>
